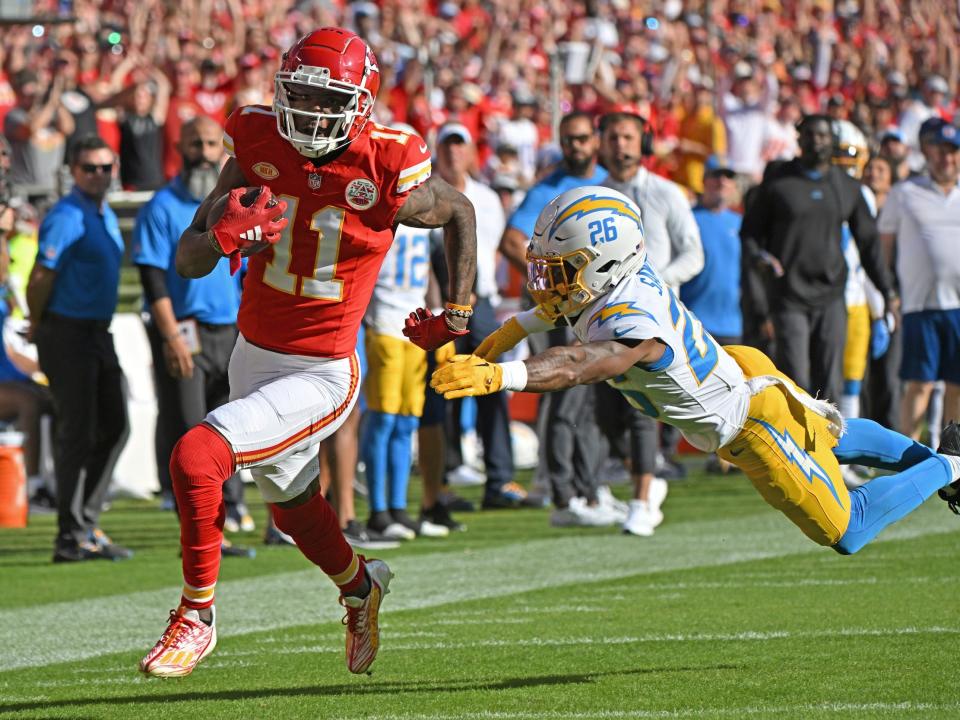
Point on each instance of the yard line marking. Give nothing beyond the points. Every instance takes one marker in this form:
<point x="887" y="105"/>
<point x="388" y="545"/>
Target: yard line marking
<point x="43" y="635"/>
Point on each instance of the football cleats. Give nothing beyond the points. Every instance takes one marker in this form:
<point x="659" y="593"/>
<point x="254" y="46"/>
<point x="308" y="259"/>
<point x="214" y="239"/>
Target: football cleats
<point x="850" y="148"/>
<point x="584" y="242"/>
<point x="325" y="90"/>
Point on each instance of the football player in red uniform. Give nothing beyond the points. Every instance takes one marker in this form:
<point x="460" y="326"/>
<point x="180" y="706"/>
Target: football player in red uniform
<point x="342" y="184"/>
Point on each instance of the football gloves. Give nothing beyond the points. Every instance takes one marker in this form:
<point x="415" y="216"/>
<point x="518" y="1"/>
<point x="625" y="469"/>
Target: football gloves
<point x="879" y="338"/>
<point x="429" y="331"/>
<point x="242" y="229"/>
<point x="467" y="376"/>
<point x="500" y="340"/>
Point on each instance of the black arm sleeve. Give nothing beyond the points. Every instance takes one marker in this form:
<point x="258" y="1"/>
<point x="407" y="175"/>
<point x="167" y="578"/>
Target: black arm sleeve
<point x="154" y="281"/>
<point x="753" y="297"/>
<point x="863" y="227"/>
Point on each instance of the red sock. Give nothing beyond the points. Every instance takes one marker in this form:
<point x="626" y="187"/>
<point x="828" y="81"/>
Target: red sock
<point x="316" y="530"/>
<point x="199" y="465"/>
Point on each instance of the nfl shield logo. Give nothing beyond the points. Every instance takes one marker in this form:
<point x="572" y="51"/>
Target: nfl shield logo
<point x="313" y="180"/>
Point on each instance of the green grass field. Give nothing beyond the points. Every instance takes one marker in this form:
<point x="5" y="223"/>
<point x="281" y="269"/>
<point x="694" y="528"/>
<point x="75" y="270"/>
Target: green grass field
<point x="728" y="612"/>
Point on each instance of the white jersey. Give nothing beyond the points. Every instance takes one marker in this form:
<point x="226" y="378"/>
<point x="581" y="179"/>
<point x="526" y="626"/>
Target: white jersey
<point x="695" y="386"/>
<point x="402" y="283"/>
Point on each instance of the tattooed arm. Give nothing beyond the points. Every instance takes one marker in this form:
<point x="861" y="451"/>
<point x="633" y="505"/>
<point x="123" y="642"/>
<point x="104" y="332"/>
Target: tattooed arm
<point x="559" y="368"/>
<point x="436" y="204"/>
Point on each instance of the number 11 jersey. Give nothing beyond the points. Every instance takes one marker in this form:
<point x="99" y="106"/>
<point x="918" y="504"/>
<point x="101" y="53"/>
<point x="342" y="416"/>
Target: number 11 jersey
<point x="307" y="294"/>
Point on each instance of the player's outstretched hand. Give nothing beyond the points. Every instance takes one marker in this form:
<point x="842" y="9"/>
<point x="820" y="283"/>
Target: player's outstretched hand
<point x="429" y="331"/>
<point x="245" y="225"/>
<point x="500" y="340"/>
<point x="466" y="376"/>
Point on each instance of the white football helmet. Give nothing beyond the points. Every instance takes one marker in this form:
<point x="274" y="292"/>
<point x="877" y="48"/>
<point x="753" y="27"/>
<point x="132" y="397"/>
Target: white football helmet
<point x="851" y="151"/>
<point x="585" y="241"/>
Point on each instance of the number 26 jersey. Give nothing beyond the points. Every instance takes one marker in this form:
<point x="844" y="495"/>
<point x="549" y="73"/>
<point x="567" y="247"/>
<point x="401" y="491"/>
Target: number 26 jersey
<point x="306" y="295"/>
<point x="695" y="386"/>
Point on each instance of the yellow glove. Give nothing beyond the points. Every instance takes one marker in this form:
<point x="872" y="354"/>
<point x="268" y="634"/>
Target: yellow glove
<point x="466" y="376"/>
<point x="500" y="340"/>
<point x="443" y="353"/>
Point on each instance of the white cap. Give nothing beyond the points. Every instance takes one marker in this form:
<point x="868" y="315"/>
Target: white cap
<point x="454" y="129"/>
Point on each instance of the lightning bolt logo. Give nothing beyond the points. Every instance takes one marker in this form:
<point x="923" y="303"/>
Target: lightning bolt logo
<point x="799" y="457"/>
<point x="615" y="311"/>
<point x="596" y="203"/>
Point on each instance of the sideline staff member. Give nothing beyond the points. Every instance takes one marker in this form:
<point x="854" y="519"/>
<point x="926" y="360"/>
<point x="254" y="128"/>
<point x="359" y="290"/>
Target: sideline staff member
<point x="72" y="294"/>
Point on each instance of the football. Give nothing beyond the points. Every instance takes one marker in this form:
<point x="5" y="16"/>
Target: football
<point x="248" y="198"/>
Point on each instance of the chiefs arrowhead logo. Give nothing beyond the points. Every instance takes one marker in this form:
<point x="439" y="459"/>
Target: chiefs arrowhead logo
<point x="266" y="170"/>
<point x="361" y="194"/>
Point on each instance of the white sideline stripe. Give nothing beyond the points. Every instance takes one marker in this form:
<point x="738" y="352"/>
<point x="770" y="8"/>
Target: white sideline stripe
<point x="764" y="710"/>
<point x="59" y="632"/>
<point x="745" y="636"/>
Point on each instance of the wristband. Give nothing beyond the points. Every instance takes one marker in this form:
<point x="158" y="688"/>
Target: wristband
<point x="514" y="375"/>
<point x="464" y="311"/>
<point x="214" y="244"/>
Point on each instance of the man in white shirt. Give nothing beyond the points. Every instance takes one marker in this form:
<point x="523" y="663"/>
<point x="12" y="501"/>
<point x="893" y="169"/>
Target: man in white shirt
<point x="928" y="105"/>
<point x="922" y="216"/>
<point x="675" y="251"/>
<point x="454" y="158"/>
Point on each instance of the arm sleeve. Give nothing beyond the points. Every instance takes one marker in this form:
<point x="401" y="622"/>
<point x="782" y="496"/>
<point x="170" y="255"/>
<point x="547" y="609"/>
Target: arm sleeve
<point x="60" y="229"/>
<point x="413" y="169"/>
<point x="154" y="281"/>
<point x="864" y="229"/>
<point x="753" y="300"/>
<point x="685" y="241"/>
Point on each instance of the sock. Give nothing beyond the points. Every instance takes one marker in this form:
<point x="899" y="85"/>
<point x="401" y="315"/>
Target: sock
<point x="399" y="458"/>
<point x="377" y="429"/>
<point x="199" y="465"/>
<point x="886" y="499"/>
<point x="868" y="443"/>
<point x="850" y="400"/>
<point x="315" y="529"/>
<point x="954" y="461"/>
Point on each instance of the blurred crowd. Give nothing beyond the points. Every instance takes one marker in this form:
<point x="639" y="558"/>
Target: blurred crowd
<point x="727" y="78"/>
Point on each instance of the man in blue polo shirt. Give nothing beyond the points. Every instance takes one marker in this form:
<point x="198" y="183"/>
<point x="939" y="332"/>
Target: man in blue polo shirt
<point x="568" y="434"/>
<point x="193" y="322"/>
<point x="714" y="294"/>
<point x="72" y="294"/>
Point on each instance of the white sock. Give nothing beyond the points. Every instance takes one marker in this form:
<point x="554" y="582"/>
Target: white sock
<point x="850" y="406"/>
<point x="954" y="461"/>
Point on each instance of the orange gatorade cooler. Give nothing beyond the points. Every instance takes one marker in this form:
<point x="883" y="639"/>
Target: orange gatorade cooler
<point x="13" y="481"/>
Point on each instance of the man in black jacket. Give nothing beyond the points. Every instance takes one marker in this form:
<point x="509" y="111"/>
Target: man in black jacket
<point x="792" y="232"/>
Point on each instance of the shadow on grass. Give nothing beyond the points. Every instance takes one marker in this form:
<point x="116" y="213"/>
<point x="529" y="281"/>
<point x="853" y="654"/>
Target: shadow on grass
<point x="385" y="688"/>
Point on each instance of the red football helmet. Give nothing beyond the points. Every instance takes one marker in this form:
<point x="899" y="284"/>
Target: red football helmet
<point x="337" y="62"/>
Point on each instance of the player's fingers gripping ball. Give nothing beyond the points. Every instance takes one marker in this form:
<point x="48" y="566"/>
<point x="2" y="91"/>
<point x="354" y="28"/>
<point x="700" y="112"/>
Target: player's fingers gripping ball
<point x="429" y="331"/>
<point x="245" y="221"/>
<point x="466" y="376"/>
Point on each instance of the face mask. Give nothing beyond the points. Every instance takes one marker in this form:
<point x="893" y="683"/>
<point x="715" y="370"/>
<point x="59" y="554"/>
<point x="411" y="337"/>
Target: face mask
<point x="200" y="179"/>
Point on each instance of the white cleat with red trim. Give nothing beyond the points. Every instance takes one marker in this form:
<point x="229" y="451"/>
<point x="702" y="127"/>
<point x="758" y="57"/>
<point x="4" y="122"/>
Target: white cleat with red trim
<point x="363" y="618"/>
<point x="186" y="641"/>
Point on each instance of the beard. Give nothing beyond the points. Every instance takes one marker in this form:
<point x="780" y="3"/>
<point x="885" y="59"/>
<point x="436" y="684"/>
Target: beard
<point x="200" y="179"/>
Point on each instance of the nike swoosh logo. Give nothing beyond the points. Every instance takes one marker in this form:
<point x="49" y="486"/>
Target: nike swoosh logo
<point x="620" y="332"/>
<point x="734" y="453"/>
<point x="423" y="147"/>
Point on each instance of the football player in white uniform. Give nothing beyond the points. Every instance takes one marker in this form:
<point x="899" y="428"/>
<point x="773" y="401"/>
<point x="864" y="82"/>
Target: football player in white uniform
<point x="587" y="266"/>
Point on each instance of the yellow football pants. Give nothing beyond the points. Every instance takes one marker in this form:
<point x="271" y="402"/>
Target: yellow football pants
<point x="858" y="343"/>
<point x="395" y="375"/>
<point x="787" y="452"/>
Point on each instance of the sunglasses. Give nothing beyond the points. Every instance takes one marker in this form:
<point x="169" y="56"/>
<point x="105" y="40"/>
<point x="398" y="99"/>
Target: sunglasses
<point x="91" y="168"/>
<point x="571" y="139"/>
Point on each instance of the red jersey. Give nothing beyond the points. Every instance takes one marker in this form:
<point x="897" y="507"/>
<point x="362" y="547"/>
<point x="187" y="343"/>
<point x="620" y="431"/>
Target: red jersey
<point x="307" y="294"/>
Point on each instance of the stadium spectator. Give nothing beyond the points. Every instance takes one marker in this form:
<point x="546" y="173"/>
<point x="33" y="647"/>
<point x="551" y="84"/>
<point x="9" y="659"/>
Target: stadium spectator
<point x="881" y="395"/>
<point x="714" y="293"/>
<point x="193" y="322"/>
<point x="37" y="128"/>
<point x="72" y="295"/>
<point x="566" y="425"/>
<point x="455" y="156"/>
<point x="674" y="248"/>
<point x="143" y="111"/>
<point x="792" y="231"/>
<point x="746" y="111"/>
<point x="701" y="134"/>
<point x="731" y="399"/>
<point x="894" y="151"/>
<point x="922" y="216"/>
<point x="294" y="374"/>
<point x="929" y="104"/>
